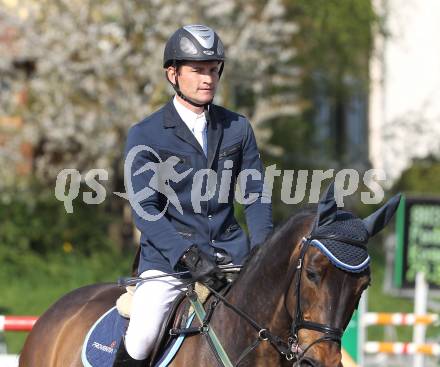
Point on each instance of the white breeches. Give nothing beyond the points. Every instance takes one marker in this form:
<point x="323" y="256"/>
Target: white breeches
<point x="151" y="302"/>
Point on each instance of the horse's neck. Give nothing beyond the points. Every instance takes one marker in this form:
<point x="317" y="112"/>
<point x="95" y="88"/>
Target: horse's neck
<point x="260" y="291"/>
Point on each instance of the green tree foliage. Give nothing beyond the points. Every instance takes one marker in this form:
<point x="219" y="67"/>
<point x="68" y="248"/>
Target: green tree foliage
<point x="334" y="37"/>
<point x="34" y="221"/>
<point x="422" y="178"/>
<point x="333" y="48"/>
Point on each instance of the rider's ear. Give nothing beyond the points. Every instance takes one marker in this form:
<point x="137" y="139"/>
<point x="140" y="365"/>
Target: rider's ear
<point x="327" y="206"/>
<point x="380" y="218"/>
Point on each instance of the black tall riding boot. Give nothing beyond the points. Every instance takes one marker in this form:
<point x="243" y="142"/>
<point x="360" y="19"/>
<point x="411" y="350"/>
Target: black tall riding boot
<point x="123" y="359"/>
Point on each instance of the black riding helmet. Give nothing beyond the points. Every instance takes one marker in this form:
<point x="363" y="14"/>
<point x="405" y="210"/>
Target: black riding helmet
<point x="193" y="43"/>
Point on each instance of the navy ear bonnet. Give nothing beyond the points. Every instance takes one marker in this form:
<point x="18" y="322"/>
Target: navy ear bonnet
<point x="342" y="237"/>
<point x="343" y="241"/>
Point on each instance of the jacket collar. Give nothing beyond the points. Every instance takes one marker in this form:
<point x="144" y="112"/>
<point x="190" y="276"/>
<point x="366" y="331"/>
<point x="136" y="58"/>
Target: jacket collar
<point x="215" y="129"/>
<point x="173" y="120"/>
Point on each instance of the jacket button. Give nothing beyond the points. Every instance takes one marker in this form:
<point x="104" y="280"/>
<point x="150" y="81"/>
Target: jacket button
<point x="212" y="241"/>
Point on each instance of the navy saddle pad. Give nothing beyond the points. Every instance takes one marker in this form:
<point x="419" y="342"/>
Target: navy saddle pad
<point x="102" y="341"/>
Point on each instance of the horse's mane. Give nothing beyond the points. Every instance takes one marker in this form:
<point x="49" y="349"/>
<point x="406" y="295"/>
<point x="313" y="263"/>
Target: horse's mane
<point x="288" y="230"/>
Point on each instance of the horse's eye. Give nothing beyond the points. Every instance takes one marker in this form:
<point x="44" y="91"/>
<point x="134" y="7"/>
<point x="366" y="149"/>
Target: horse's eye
<point x="312" y="275"/>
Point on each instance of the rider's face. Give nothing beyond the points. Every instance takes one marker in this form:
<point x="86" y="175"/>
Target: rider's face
<point x="197" y="79"/>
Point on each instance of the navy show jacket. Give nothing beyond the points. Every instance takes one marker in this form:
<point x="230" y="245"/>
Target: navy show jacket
<point x="230" y="138"/>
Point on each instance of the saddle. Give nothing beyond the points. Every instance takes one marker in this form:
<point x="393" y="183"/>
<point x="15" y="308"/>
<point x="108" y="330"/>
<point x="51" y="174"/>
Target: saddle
<point x="176" y="318"/>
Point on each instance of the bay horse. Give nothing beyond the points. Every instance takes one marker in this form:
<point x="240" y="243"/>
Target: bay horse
<point x="301" y="292"/>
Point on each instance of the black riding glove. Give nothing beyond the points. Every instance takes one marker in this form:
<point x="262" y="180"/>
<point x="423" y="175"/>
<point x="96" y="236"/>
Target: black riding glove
<point x="202" y="268"/>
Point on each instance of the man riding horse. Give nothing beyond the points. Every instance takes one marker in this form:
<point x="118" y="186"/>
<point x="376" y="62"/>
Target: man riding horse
<point x="201" y="135"/>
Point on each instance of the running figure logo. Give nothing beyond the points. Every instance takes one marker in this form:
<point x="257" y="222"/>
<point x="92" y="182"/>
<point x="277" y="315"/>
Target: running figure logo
<point x="163" y="174"/>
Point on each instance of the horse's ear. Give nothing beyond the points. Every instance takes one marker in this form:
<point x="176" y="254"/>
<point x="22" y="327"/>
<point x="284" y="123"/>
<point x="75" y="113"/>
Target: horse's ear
<point x="327" y="206"/>
<point x="379" y="219"/>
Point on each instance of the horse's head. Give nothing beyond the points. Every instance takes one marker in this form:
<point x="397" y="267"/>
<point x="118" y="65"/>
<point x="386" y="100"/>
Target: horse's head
<point x="331" y="272"/>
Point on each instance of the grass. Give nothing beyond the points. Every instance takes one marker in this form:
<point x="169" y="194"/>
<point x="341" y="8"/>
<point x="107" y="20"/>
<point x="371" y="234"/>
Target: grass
<point x="32" y="285"/>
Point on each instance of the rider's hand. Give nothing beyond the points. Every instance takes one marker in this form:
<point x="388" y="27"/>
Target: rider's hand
<point x="202" y="268"/>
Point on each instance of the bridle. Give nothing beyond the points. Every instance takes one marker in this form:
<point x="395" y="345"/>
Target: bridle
<point x="330" y="334"/>
<point x="291" y="350"/>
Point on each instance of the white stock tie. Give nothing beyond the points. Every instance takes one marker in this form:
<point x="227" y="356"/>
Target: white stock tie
<point x="200" y="131"/>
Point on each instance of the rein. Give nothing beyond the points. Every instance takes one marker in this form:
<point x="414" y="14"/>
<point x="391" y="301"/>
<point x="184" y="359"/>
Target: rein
<point x="283" y="348"/>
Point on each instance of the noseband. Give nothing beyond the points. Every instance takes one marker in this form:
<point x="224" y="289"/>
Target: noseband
<point x="329" y="333"/>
